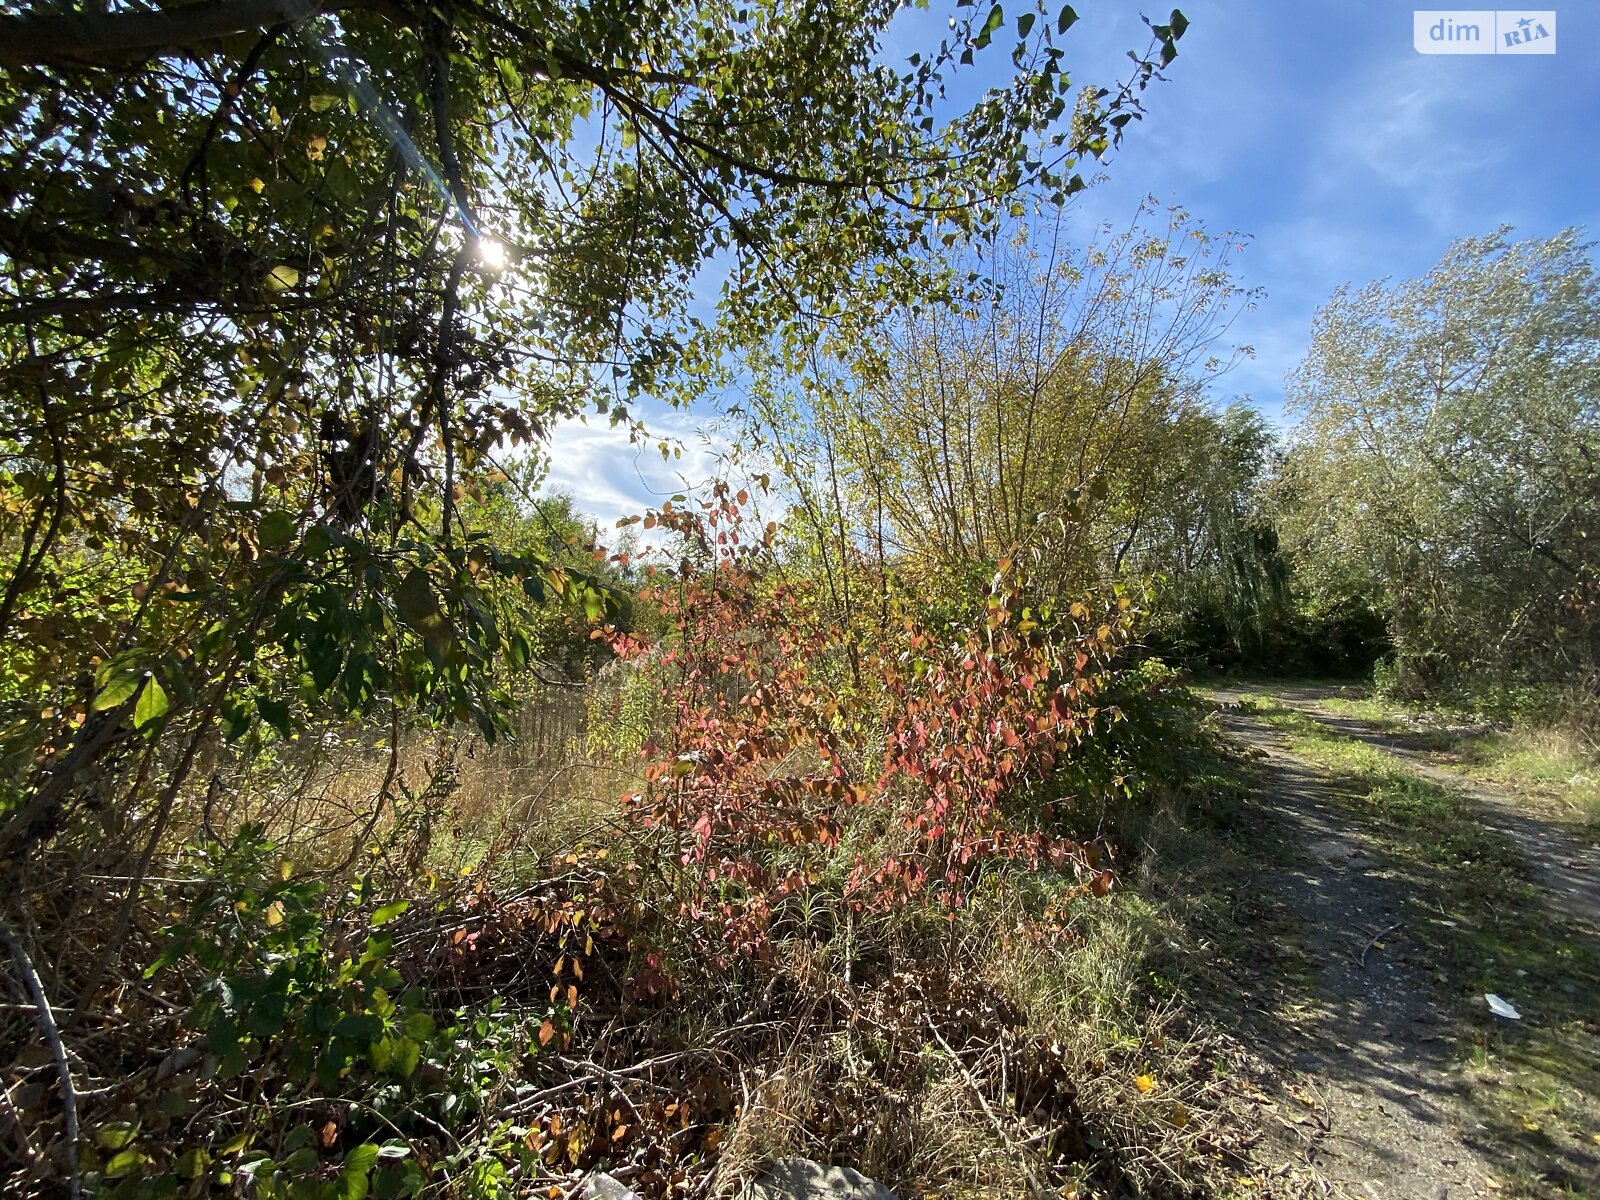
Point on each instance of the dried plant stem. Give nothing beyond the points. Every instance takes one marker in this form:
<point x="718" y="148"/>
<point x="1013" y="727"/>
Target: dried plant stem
<point x="1010" y="1143"/>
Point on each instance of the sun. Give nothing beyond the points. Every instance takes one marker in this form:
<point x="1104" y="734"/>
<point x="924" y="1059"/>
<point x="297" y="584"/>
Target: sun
<point x="493" y="254"/>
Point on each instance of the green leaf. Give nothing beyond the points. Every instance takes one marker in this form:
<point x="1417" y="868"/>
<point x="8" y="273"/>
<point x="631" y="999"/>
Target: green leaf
<point x="116" y="692"/>
<point x="407" y="1054"/>
<point x="1179" y="23"/>
<point x="353" y="1175"/>
<point x="1025" y="24"/>
<point x="381" y="1053"/>
<point x="152" y="706"/>
<point x="282" y="277"/>
<point x="390" y="911"/>
<point x="509" y="73"/>
<point x="324" y="103"/>
<point x="276" y="528"/>
<point x="191" y="1164"/>
<point x="997" y="17"/>
<point x="414" y="599"/>
<point x="114" y="1135"/>
<point x="317" y="542"/>
<point x="358" y="1025"/>
<point x="1069" y="18"/>
<point x="418" y="607"/>
<point x="274" y="713"/>
<point x="124" y="1164"/>
<point x="235" y="720"/>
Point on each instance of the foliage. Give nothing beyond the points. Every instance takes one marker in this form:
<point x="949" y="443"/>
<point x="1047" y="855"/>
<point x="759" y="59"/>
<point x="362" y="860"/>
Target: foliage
<point x="316" y="1071"/>
<point x="1446" y="465"/>
<point x="288" y="290"/>
<point x="787" y="748"/>
<point x="1045" y="414"/>
<point x="279" y="296"/>
<point x="1223" y="594"/>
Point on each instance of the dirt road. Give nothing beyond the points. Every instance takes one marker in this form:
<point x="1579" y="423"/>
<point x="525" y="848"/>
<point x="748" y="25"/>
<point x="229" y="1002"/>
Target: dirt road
<point x="1368" y="1022"/>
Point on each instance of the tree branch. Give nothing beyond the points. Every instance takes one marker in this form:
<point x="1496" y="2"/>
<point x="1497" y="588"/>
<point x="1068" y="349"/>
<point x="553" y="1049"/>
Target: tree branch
<point x="52" y="1037"/>
<point x="127" y="37"/>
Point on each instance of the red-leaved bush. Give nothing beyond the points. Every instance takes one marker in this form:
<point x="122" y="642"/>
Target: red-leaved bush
<point x="893" y="766"/>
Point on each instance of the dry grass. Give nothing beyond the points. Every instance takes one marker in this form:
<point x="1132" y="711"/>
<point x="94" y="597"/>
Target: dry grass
<point x="1040" y="1042"/>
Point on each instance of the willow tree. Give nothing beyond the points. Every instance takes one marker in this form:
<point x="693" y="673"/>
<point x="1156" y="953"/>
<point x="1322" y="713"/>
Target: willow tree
<point x="1447" y="461"/>
<point x="282" y="279"/>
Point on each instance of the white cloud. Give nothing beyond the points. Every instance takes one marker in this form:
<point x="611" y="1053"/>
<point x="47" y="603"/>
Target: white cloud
<point x="1426" y="131"/>
<point x="609" y="475"/>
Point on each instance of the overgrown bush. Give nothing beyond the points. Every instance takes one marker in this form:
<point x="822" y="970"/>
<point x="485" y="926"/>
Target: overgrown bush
<point x="793" y="757"/>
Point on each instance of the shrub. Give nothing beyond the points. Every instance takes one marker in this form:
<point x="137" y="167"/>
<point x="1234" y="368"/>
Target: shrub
<point x="793" y="757"/>
<point x="306" y="1065"/>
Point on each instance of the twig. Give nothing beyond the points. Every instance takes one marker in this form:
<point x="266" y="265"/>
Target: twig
<point x="1376" y="938"/>
<point x="52" y="1035"/>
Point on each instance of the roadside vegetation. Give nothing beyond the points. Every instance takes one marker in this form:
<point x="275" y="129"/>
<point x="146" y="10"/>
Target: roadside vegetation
<point x="373" y="824"/>
<point x="1556" y="766"/>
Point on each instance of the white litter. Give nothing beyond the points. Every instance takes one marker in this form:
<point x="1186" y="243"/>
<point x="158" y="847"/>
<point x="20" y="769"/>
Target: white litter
<point x="1502" y="1008"/>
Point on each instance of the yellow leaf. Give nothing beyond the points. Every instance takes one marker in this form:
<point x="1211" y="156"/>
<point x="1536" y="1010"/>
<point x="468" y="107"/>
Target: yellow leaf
<point x="1145" y="1083"/>
<point x="577" y="1143"/>
<point x="282" y="277"/>
<point x="258" y="186"/>
<point x="316" y="147"/>
<point x="275" y="913"/>
<point x="1180" y="1114"/>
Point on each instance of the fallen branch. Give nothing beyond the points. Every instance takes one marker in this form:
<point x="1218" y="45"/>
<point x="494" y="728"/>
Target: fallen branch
<point x="52" y="1035"/>
<point x="1010" y="1143"/>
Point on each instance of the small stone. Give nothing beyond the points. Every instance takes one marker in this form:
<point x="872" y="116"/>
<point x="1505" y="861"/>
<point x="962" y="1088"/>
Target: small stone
<point x="601" y="1186"/>
<point x="802" y="1179"/>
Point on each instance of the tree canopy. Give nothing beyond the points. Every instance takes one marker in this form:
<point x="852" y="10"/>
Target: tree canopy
<point x="1448" y="459"/>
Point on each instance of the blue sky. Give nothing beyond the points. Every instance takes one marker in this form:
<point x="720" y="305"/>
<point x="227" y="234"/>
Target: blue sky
<point x="1316" y="129"/>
